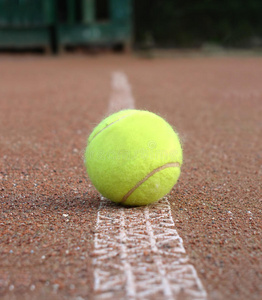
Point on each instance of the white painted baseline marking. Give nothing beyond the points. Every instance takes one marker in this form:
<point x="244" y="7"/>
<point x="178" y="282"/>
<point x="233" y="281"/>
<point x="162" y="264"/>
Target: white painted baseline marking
<point x="138" y="253"/>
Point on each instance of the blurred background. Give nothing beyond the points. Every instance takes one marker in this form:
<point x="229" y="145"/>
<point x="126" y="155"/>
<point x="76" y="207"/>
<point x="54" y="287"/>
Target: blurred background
<point x="56" y="25"/>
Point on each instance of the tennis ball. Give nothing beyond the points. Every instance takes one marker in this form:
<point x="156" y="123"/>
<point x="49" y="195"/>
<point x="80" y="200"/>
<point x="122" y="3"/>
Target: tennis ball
<point x="133" y="157"/>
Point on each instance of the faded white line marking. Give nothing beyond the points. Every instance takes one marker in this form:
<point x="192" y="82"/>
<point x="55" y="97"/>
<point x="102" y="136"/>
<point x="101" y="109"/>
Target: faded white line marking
<point x="138" y="253"/>
<point x="157" y="257"/>
<point x="130" y="280"/>
<point x="121" y="97"/>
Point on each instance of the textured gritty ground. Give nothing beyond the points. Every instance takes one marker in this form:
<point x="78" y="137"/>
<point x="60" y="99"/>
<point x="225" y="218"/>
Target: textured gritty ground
<point x="48" y="106"/>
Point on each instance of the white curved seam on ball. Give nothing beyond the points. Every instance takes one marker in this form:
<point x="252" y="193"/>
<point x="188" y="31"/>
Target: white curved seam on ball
<point x="168" y="165"/>
<point x="109" y="126"/>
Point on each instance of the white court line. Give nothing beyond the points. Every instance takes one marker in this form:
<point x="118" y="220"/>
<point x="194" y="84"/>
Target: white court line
<point x="138" y="253"/>
<point x="121" y="97"/>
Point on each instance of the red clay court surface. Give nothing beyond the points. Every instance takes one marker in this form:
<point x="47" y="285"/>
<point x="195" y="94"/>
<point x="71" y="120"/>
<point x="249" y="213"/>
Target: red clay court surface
<point x="48" y="207"/>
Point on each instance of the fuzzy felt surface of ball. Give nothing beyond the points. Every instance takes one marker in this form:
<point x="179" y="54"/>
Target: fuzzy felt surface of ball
<point x="133" y="157"/>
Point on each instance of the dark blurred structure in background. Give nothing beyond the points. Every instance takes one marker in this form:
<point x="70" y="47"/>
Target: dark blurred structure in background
<point x="192" y="23"/>
<point x="56" y="24"/>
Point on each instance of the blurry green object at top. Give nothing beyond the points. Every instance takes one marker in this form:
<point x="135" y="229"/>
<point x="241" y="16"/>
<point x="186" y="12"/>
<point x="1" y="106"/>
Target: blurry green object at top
<point x="62" y="23"/>
<point x="19" y="13"/>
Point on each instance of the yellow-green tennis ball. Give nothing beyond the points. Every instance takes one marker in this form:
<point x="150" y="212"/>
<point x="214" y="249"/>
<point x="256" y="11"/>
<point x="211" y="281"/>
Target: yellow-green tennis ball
<point x="133" y="157"/>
